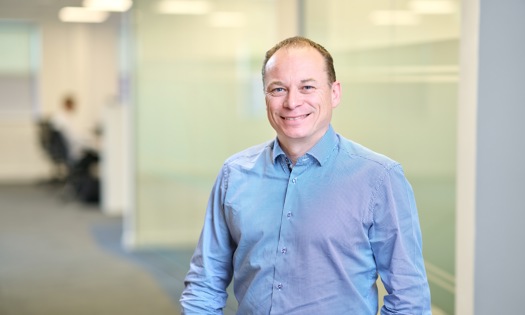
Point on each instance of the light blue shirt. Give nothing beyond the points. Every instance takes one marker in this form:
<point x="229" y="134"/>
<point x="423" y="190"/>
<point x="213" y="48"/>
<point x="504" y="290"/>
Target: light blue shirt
<point x="311" y="240"/>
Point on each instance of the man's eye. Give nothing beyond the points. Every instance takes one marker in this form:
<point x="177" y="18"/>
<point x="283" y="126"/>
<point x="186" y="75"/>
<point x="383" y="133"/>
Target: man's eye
<point x="277" y="91"/>
<point x="308" y="88"/>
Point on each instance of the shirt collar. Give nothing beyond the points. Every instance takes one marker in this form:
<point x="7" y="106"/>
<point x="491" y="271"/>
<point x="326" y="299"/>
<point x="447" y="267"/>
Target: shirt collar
<point x="320" y="151"/>
<point x="277" y="150"/>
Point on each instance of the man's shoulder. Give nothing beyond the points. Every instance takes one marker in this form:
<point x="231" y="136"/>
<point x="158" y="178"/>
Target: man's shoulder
<point x="357" y="151"/>
<point x="250" y="155"/>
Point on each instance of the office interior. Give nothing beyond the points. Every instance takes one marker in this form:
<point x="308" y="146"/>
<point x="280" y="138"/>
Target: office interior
<point x="175" y="87"/>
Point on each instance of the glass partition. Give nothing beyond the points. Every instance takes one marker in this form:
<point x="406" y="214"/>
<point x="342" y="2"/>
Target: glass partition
<point x="398" y="64"/>
<point x="198" y="100"/>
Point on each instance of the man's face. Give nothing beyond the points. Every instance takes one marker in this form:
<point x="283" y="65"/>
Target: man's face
<point x="299" y="97"/>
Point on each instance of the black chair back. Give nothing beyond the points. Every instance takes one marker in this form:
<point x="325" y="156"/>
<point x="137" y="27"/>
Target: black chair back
<point x="58" y="150"/>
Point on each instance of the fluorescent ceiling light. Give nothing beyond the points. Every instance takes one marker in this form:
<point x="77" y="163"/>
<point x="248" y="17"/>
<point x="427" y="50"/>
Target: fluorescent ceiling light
<point x="81" y="15"/>
<point x="195" y="7"/>
<point x="394" y="17"/>
<point x="433" y="6"/>
<point x="227" y="19"/>
<point x="108" y="5"/>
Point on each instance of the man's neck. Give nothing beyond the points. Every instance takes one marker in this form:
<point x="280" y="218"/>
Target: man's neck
<point x="294" y="150"/>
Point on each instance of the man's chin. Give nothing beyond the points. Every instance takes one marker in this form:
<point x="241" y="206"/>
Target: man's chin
<point x="293" y="136"/>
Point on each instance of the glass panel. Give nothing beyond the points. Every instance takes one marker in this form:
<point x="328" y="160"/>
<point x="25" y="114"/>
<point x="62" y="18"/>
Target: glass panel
<point x="398" y="64"/>
<point x="199" y="99"/>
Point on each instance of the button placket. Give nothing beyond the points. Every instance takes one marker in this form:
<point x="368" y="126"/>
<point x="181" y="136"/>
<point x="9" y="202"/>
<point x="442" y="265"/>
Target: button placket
<point x="284" y="252"/>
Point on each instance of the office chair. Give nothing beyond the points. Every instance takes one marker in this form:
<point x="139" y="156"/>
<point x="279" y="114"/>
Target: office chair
<point x="55" y="148"/>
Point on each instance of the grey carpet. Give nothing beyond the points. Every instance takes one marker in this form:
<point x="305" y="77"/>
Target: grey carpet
<point x="61" y="257"/>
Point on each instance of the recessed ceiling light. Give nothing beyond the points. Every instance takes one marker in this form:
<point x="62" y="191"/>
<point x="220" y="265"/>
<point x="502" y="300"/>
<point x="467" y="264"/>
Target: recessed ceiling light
<point x="82" y="15"/>
<point x="195" y="7"/>
<point x="108" y="5"/>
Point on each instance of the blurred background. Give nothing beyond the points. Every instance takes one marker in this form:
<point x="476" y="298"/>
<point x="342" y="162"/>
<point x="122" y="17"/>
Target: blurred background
<point x="168" y="89"/>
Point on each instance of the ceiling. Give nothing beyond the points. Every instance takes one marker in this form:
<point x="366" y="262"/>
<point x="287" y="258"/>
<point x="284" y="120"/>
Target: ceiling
<point x="33" y="9"/>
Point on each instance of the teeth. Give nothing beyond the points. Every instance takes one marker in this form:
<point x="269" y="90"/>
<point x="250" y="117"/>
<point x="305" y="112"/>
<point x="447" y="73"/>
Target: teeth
<point x="295" y="118"/>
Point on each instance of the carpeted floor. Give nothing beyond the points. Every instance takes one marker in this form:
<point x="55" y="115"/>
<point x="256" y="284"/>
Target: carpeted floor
<point x="64" y="258"/>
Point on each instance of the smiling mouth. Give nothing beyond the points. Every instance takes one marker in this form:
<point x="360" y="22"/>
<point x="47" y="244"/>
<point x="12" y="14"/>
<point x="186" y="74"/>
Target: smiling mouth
<point x="295" y="118"/>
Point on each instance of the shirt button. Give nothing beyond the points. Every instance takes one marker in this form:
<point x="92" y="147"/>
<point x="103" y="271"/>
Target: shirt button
<point x="283" y="251"/>
<point x="289" y="215"/>
<point x="280" y="286"/>
<point x="294" y="180"/>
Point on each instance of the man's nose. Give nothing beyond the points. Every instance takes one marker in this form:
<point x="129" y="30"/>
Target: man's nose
<point x="293" y="99"/>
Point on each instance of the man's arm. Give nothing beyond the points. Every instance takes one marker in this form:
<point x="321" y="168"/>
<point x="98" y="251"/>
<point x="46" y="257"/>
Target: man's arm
<point x="396" y="241"/>
<point x="211" y="265"/>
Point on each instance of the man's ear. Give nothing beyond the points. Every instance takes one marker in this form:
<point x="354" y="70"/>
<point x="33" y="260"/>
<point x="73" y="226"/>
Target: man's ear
<point x="336" y="93"/>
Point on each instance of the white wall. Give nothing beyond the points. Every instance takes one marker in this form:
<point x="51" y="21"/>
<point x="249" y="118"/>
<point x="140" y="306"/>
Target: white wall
<point x="114" y="167"/>
<point x="21" y="158"/>
<point x="75" y="58"/>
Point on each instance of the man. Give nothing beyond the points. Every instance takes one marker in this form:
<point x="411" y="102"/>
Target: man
<point x="305" y="223"/>
<point x="78" y="140"/>
<point x="80" y="151"/>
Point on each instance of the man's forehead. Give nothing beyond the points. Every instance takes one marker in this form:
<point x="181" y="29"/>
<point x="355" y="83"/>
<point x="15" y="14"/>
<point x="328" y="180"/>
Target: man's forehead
<point x="288" y="55"/>
<point x="305" y="62"/>
<point x="294" y="51"/>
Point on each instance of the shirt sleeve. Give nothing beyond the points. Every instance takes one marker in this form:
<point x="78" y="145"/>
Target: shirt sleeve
<point x="395" y="238"/>
<point x="211" y="265"/>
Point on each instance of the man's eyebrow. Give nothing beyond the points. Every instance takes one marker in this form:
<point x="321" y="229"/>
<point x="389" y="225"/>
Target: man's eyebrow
<point x="309" y="80"/>
<point x="280" y="83"/>
<point x="302" y="81"/>
<point x="275" y="83"/>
